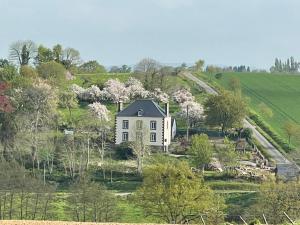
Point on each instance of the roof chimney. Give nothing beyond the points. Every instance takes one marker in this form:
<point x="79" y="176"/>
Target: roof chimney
<point x="167" y="109"/>
<point x="120" y="106"/>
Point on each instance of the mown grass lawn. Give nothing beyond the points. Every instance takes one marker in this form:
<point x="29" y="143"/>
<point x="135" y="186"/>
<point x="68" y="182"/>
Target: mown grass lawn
<point x="280" y="92"/>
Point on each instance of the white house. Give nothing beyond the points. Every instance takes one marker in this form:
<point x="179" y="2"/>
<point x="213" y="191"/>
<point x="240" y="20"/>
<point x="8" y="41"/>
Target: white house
<point x="144" y="119"/>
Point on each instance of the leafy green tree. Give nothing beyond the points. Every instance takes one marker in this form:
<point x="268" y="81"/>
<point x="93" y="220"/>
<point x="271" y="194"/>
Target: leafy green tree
<point x="28" y="72"/>
<point x="235" y="85"/>
<point x="4" y="63"/>
<point x="201" y="150"/>
<point x="125" y="69"/>
<point x="91" y="67"/>
<point x="276" y="198"/>
<point x="57" y="53"/>
<point x="219" y="76"/>
<point x="227" y="154"/>
<point x="122" y="69"/>
<point x="8" y="73"/>
<point x="265" y="110"/>
<point x="69" y="101"/>
<point x="44" y="55"/>
<point x="225" y="110"/>
<point x="173" y="193"/>
<point x="291" y="130"/>
<point x="52" y="71"/>
<point x="199" y="65"/>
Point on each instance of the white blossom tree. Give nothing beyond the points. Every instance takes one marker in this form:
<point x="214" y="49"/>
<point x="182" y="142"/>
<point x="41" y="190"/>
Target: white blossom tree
<point x="160" y="96"/>
<point x="182" y="96"/>
<point x="99" y="111"/>
<point x="115" y="91"/>
<point x="77" y="90"/>
<point x="90" y="94"/>
<point x="101" y="117"/>
<point x="195" y="111"/>
<point x="93" y="94"/>
<point x="136" y="89"/>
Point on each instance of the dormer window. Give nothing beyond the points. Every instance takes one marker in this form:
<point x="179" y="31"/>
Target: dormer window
<point x="140" y="112"/>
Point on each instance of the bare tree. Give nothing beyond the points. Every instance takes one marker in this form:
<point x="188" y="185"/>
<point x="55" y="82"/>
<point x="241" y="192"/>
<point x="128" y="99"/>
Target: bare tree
<point x="71" y="57"/>
<point x="89" y="201"/>
<point x="21" y="52"/>
<point x="149" y="68"/>
<point x="139" y="146"/>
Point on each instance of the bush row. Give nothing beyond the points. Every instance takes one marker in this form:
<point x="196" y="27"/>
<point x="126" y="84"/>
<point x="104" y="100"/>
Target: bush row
<point x="266" y="128"/>
<point x="230" y="185"/>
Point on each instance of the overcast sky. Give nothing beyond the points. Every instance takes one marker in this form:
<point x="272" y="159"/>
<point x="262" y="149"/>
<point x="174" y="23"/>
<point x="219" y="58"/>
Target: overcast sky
<point x="115" y="32"/>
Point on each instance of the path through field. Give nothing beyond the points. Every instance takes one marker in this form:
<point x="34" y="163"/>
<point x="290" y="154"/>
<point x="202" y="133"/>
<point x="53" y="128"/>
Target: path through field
<point x="273" y="152"/>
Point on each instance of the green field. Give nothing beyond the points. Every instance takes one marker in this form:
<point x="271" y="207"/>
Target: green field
<point x="280" y="92"/>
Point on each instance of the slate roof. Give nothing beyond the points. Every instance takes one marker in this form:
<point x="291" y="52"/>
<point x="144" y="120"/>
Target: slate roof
<point x="149" y="109"/>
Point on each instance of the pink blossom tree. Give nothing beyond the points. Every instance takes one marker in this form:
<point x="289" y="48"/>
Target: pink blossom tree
<point x="5" y="104"/>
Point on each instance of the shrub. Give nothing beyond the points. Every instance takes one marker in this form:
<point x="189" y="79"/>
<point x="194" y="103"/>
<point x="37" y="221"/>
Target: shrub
<point x="255" y="222"/>
<point x="124" y="152"/>
<point x="266" y="128"/>
<point x="218" y="76"/>
<point x="247" y="133"/>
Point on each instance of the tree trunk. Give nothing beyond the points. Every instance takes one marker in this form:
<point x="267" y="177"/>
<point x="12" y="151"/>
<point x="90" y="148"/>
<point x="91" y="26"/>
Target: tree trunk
<point x="0" y="207"/>
<point x="35" y="206"/>
<point x="44" y="174"/>
<point x="11" y="205"/>
<point x="34" y="140"/>
<point x="84" y="211"/>
<point x="21" y="204"/>
<point x="4" y="206"/>
<point x="46" y="207"/>
<point x="111" y="175"/>
<point x="139" y="165"/>
<point x="26" y="207"/>
<point x="88" y="152"/>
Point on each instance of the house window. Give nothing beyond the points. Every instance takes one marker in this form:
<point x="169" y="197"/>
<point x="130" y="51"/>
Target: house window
<point x="152" y="125"/>
<point x="125" y="124"/>
<point x="140" y="112"/>
<point x="139" y="124"/>
<point x="125" y="136"/>
<point x="152" y="137"/>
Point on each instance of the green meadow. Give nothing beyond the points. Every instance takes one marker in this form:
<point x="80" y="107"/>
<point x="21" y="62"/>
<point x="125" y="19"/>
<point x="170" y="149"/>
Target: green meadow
<point x="280" y="92"/>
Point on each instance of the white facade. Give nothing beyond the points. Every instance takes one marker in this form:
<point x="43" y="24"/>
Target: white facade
<point x="154" y="131"/>
<point x="161" y="134"/>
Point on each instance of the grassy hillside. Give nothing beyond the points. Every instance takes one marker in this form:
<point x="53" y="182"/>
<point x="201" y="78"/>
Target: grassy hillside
<point x="280" y="92"/>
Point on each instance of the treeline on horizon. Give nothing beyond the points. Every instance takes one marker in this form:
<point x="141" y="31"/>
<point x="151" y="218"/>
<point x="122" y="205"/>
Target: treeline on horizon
<point x="28" y="53"/>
